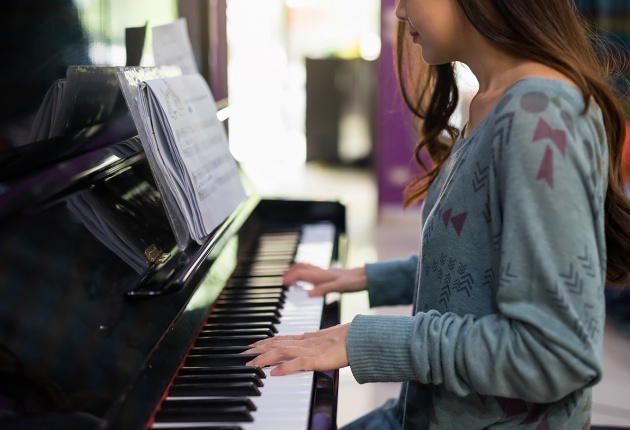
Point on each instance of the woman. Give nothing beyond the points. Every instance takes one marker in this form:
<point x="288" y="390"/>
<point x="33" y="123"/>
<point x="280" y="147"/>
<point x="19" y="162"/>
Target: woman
<point x="524" y="222"/>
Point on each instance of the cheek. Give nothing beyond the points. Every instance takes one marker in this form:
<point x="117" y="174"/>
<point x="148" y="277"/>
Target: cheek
<point x="438" y="48"/>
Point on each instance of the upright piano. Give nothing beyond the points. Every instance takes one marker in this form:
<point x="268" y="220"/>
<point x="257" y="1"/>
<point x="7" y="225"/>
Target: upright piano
<point x="105" y="323"/>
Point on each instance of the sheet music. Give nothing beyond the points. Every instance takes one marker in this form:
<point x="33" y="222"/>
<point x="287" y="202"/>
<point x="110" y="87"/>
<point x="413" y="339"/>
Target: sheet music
<point x="130" y="79"/>
<point x="192" y="151"/>
<point x="171" y="47"/>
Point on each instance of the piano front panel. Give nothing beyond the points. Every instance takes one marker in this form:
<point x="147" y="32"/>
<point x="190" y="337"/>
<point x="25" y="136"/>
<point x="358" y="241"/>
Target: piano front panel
<point x="62" y="308"/>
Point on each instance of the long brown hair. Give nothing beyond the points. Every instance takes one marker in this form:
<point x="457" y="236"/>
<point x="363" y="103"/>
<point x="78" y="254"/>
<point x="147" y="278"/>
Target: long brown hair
<point x="550" y="32"/>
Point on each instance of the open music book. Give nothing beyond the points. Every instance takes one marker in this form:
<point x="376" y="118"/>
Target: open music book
<point x="186" y="146"/>
<point x="188" y="151"/>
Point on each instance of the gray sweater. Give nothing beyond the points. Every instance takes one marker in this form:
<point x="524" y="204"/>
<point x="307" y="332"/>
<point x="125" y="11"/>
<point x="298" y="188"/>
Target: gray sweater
<point x="508" y="286"/>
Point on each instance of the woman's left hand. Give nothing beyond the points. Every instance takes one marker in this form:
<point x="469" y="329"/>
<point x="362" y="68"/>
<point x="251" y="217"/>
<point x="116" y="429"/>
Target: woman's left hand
<point x="320" y="351"/>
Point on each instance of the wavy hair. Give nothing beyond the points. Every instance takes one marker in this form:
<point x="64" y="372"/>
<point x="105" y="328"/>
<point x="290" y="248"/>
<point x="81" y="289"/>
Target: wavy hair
<point x="550" y="32"/>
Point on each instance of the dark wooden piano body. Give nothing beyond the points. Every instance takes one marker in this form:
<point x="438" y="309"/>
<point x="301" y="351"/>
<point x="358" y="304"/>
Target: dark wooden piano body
<point x="68" y="324"/>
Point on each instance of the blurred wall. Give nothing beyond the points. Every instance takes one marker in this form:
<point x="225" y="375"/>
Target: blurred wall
<point x="395" y="137"/>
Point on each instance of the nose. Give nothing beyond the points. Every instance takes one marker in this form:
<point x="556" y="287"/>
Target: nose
<point x="401" y="13"/>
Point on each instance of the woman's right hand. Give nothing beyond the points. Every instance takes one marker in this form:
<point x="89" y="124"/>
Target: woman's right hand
<point x="327" y="280"/>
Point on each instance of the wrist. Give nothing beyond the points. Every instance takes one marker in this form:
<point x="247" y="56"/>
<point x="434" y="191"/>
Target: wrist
<point x="359" y="277"/>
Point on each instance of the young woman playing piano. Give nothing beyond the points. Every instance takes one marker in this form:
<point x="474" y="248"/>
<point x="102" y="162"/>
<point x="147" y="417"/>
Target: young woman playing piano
<point x="524" y="223"/>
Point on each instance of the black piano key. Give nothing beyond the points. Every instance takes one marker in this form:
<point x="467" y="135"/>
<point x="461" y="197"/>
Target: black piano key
<point x="207" y="415"/>
<point x="219" y="360"/>
<point x="222" y="341"/>
<point x="208" y="427"/>
<point x="205" y="350"/>
<point x="240" y="325"/>
<point x="202" y="403"/>
<point x="276" y="234"/>
<point x="244" y="274"/>
<point x="285" y="255"/>
<point x="254" y="317"/>
<point x="260" y="271"/>
<point x="236" y="307"/>
<point x="266" y="268"/>
<point x="225" y="377"/>
<point x="284" y="249"/>
<point x="250" y="302"/>
<point x="279" y="262"/>
<point x="278" y="301"/>
<point x="262" y="293"/>
<point x="266" y="258"/>
<point x="291" y="235"/>
<point x="279" y="265"/>
<point x="256" y="290"/>
<point x="269" y="294"/>
<point x="252" y="282"/>
<point x="241" y="274"/>
<point x="236" y="332"/>
<point x="273" y="239"/>
<point x="277" y="245"/>
<point x="219" y="370"/>
<point x="279" y="233"/>
<point x="195" y="426"/>
<point x="214" y="389"/>
<point x="245" y="310"/>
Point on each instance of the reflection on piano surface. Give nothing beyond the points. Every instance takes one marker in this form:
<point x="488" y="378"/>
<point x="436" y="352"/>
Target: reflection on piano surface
<point x="95" y="335"/>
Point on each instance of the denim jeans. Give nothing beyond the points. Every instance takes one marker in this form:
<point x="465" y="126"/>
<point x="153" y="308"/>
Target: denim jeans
<point x="387" y="417"/>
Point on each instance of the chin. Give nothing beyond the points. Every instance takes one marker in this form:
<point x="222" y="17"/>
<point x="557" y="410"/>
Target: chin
<point x="433" y="58"/>
<point x="432" y="61"/>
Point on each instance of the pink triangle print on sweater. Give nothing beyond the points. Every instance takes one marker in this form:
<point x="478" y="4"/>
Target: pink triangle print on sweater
<point x="559" y="138"/>
<point x="457" y="221"/>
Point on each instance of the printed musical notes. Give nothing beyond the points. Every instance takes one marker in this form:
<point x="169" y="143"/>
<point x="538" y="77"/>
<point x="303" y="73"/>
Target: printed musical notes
<point x="190" y="147"/>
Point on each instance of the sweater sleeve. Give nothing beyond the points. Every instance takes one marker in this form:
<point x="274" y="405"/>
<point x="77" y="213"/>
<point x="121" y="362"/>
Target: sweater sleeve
<point x="545" y="340"/>
<point x="391" y="282"/>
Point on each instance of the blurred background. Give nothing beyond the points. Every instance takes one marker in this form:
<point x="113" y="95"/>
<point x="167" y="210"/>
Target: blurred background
<point x="314" y="113"/>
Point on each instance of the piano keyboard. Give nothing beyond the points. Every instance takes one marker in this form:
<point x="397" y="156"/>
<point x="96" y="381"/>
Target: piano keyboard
<point x="215" y="389"/>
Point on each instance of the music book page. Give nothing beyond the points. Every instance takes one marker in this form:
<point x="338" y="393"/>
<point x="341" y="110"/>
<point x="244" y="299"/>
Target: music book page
<point x="191" y="149"/>
<point x="171" y="47"/>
